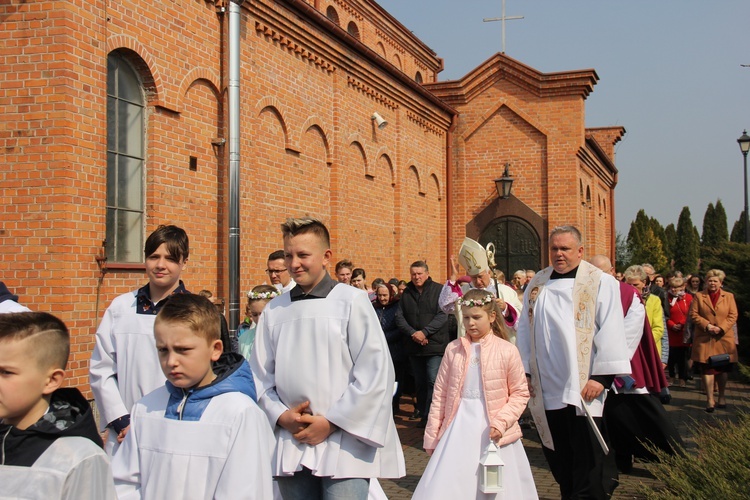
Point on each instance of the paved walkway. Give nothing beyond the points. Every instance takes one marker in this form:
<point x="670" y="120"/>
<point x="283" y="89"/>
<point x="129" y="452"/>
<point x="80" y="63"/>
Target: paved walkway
<point x="686" y="411"/>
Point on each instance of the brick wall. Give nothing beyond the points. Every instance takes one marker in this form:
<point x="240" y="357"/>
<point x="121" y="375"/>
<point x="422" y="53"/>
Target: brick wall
<point x="308" y="145"/>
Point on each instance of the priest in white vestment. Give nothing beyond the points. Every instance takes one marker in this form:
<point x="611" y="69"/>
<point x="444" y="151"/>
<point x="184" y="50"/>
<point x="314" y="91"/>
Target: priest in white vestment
<point x="572" y="343"/>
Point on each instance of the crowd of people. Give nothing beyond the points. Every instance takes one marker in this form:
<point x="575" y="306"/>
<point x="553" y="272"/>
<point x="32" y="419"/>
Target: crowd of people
<point x="300" y="402"/>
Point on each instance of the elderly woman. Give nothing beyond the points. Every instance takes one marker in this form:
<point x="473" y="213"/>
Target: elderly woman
<point x="637" y="276"/>
<point x="714" y="313"/>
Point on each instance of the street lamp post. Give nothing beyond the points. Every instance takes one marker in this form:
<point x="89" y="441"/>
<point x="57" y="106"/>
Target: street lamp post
<point x="744" y="143"/>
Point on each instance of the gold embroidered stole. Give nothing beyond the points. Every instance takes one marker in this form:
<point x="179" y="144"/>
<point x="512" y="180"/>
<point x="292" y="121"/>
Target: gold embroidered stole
<point x="585" y="289"/>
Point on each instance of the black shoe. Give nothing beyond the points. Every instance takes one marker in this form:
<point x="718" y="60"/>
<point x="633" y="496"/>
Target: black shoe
<point x="709" y="409"/>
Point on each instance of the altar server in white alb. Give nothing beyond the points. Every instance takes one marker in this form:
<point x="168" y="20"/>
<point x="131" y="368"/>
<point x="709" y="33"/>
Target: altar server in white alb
<point x="201" y="435"/>
<point x="324" y="378"/>
<point x="124" y="366"/>
<point x="572" y="343"/>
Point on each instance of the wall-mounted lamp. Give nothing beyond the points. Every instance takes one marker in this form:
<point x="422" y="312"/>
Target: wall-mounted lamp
<point x="504" y="184"/>
<point x="379" y="120"/>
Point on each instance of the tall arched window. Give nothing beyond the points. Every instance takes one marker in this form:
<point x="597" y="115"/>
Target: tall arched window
<point x="125" y="162"/>
<point x="333" y="15"/>
<point x="418" y="77"/>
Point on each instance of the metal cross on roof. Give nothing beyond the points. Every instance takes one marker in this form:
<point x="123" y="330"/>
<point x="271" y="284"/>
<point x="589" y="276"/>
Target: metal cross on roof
<point x="502" y="19"/>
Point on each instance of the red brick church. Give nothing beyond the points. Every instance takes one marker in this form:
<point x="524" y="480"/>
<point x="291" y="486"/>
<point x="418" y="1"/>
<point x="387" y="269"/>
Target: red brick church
<point x="115" y="120"/>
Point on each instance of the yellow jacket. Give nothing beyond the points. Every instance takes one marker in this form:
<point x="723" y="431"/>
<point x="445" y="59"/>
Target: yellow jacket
<point x="655" y="315"/>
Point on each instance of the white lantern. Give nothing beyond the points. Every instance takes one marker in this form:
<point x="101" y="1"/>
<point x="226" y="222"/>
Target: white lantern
<point x="491" y="473"/>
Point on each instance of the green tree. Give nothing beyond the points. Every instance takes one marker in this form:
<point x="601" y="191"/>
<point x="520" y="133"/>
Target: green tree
<point x="622" y="254"/>
<point x="709" y="236"/>
<point x="687" y="244"/>
<point x="715" y="231"/>
<point x="722" y="228"/>
<point x="659" y="234"/>
<point x="637" y="236"/>
<point x="652" y="251"/>
<point x="670" y="240"/>
<point x="738" y="230"/>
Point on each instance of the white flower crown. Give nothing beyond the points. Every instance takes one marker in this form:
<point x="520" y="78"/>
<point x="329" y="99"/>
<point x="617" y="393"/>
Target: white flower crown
<point x="476" y="302"/>
<point x="261" y="295"/>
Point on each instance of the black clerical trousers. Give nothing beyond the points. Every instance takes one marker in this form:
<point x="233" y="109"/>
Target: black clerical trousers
<point x="578" y="462"/>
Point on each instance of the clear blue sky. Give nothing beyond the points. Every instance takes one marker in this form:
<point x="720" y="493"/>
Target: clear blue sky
<point x="669" y="72"/>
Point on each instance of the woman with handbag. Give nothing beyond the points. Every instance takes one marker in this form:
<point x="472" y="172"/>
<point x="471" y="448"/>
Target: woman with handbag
<point x="713" y="314"/>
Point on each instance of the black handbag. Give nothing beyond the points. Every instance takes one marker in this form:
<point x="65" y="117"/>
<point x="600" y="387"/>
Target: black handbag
<point x="718" y="360"/>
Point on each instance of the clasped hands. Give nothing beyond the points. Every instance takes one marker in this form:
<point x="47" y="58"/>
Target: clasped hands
<point x="419" y="337"/>
<point x="714" y="330"/>
<point x="304" y="426"/>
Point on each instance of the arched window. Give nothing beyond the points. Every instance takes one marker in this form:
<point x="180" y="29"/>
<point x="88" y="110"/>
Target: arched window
<point x="125" y="162"/>
<point x="418" y="77"/>
<point x="333" y="15"/>
<point x="353" y="30"/>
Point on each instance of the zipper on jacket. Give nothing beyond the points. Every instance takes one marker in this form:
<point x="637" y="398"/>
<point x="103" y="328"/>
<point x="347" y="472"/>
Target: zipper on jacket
<point x="181" y="406"/>
<point x="2" y="462"/>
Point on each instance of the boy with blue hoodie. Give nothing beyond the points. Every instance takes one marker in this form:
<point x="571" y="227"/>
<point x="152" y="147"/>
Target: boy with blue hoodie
<point x="202" y="434"/>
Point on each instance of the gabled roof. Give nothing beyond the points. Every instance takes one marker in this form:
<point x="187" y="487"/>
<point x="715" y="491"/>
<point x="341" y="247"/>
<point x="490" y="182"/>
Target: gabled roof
<point x="500" y="66"/>
<point x="600" y="157"/>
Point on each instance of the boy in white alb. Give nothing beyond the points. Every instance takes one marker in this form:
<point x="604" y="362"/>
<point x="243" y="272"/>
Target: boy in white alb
<point x="124" y="366"/>
<point x="201" y="435"/>
<point x="324" y="378"/>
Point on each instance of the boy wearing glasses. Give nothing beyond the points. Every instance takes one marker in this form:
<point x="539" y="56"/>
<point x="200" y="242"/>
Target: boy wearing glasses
<point x="278" y="273"/>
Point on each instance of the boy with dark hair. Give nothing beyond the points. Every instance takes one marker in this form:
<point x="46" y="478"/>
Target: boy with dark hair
<point x="201" y="435"/>
<point x="124" y="365"/>
<point x="50" y="444"/>
<point x="324" y="378"/>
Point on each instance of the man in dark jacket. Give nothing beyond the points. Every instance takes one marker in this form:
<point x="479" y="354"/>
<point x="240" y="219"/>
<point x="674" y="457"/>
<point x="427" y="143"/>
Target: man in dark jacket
<point x="420" y="318"/>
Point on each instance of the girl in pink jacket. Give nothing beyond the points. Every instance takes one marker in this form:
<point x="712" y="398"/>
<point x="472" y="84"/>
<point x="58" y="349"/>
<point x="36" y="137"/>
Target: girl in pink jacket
<point x="480" y="393"/>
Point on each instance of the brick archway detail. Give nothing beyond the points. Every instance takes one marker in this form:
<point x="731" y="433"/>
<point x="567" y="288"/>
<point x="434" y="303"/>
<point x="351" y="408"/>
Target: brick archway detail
<point x="413" y="166"/>
<point x="274" y="106"/>
<point x="314" y="122"/>
<point x="157" y="92"/>
<point x="384" y="152"/>
<point x="193" y="76"/>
